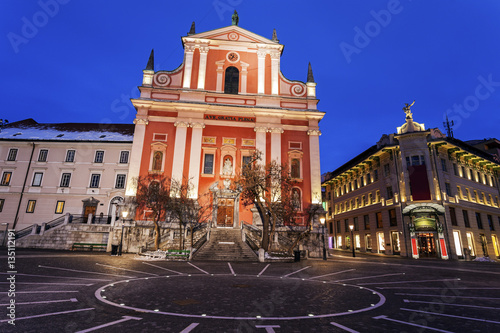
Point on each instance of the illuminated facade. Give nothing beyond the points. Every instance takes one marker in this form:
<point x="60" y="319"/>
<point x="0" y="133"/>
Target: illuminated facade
<point x="227" y="99"/>
<point x="417" y="193"/>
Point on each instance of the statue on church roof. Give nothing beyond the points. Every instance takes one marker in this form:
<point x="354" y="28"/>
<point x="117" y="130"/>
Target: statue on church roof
<point x="235" y="18"/>
<point x="407" y="110"/>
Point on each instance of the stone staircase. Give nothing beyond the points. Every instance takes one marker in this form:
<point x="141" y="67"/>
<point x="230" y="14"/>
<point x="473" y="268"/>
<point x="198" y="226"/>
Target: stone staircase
<point x="225" y="245"/>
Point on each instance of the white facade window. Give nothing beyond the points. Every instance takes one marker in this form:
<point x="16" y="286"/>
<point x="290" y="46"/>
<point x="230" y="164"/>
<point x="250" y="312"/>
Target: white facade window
<point x="59" y="207"/>
<point x="70" y="156"/>
<point x="381" y="242"/>
<point x="42" y="155"/>
<point x="12" y="154"/>
<point x="124" y="157"/>
<point x="95" y="178"/>
<point x="6" y="176"/>
<point x="99" y="156"/>
<point x="37" y="179"/>
<point x="458" y="242"/>
<point x="30" y="208"/>
<point x="120" y="181"/>
<point x="470" y="243"/>
<point x="65" y="179"/>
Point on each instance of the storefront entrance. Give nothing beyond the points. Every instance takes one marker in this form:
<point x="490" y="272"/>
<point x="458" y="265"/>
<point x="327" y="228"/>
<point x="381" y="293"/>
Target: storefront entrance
<point x="427" y="245"/>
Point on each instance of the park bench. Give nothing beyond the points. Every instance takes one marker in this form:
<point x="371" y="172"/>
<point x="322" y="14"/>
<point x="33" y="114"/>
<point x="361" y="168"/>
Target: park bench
<point x="90" y="246"/>
<point x="176" y="254"/>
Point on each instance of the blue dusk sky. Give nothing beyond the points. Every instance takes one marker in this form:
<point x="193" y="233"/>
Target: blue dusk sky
<point x="81" y="61"/>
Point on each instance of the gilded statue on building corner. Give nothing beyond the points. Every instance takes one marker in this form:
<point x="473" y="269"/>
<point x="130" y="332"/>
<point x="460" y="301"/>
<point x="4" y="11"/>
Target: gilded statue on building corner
<point x="235" y="18"/>
<point x="407" y="110"/>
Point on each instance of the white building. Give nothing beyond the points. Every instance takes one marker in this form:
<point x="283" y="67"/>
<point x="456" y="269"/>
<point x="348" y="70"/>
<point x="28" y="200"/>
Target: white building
<point x="48" y="170"/>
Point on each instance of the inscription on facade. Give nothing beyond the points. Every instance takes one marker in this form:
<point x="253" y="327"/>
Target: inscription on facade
<point x="230" y="118"/>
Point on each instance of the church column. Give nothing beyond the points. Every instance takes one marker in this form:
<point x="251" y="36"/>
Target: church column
<point x="276" y="144"/>
<point x="275" y="65"/>
<point x="220" y="74"/>
<point x="244" y="72"/>
<point x="203" y="67"/>
<point x="314" y="165"/>
<point x="179" y="150"/>
<point x="260" y="141"/>
<point x="195" y="157"/>
<point x="188" y="66"/>
<point x="136" y="153"/>
<point x="261" y="72"/>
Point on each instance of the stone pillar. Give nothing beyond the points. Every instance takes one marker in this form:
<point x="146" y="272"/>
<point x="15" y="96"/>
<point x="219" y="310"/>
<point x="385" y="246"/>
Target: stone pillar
<point x="89" y="219"/>
<point x="261" y="71"/>
<point x="260" y="141"/>
<point x="244" y="72"/>
<point x="42" y="228"/>
<point x="275" y="66"/>
<point x="34" y="227"/>
<point x="195" y="157"/>
<point x="203" y="67"/>
<point x="179" y="150"/>
<point x="188" y="66"/>
<point x="315" y="165"/>
<point x="113" y="214"/>
<point x="276" y="144"/>
<point x="135" y="155"/>
<point x="66" y="218"/>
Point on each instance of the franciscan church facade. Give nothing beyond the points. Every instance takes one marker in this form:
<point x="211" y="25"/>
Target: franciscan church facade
<point x="203" y="120"/>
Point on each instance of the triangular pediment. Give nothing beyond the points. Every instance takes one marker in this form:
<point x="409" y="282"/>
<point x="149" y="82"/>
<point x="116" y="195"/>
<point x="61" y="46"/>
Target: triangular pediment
<point x="232" y="33"/>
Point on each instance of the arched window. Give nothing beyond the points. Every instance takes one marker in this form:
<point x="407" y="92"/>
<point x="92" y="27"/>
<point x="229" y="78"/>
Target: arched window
<point x="232" y="80"/>
<point x="157" y="159"/>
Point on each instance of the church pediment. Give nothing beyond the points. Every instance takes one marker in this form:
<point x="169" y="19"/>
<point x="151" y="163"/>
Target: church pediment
<point x="231" y="33"/>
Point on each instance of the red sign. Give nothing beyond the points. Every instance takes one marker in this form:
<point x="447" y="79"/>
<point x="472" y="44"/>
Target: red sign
<point x="443" y="247"/>
<point x="230" y="118"/>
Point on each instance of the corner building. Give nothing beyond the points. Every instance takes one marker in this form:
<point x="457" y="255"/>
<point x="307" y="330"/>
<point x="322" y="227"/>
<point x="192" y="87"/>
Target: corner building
<point x="227" y="99"/>
<point x="417" y="193"/>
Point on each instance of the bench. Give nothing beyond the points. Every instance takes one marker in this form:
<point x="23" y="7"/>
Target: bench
<point x="90" y="246"/>
<point x="176" y="254"/>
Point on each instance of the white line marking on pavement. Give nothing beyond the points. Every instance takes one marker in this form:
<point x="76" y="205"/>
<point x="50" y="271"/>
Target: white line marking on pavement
<point x="60" y="277"/>
<point x="231" y="268"/>
<point x="47" y="314"/>
<point x="413" y="281"/>
<point x="43" y="292"/>
<point x="57" y="284"/>
<point x="124" y="318"/>
<point x="269" y="328"/>
<point x="343" y="327"/>
<point x="320" y="276"/>
<point x="411" y="324"/>
<point x="296" y="271"/>
<point x="443" y="296"/>
<point x="262" y="271"/>
<point x="189" y="328"/>
<point x="452" y="316"/>
<point x="125" y="269"/>
<point x="166" y="269"/>
<point x="91" y="272"/>
<point x="44" y="302"/>
<point x="198" y="268"/>
<point x="453" y="304"/>
<point x="437" y="288"/>
<point x="369" y="277"/>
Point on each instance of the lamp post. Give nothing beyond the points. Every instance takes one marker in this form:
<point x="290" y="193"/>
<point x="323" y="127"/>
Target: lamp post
<point x="322" y="219"/>
<point x="124" y="216"/>
<point x="352" y="240"/>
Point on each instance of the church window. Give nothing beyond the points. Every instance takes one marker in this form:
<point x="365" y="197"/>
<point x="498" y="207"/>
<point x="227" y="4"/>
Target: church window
<point x="232" y="80"/>
<point x="208" y="164"/>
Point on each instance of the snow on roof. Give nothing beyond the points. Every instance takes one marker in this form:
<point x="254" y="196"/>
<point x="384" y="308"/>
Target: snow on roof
<point x="29" y="129"/>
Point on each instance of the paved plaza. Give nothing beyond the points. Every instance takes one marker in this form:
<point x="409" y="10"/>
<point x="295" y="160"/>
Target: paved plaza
<point x="60" y="291"/>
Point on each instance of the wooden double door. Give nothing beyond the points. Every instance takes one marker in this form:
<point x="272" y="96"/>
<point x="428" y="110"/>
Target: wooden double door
<point x="225" y="213"/>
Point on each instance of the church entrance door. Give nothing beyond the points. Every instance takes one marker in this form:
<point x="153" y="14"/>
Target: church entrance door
<point x="225" y="213"/>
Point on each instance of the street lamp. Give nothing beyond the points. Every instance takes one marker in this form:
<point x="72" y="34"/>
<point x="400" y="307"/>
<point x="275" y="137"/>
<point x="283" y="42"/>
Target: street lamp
<point x="124" y="216"/>
<point x="352" y="240"/>
<point x="322" y="219"/>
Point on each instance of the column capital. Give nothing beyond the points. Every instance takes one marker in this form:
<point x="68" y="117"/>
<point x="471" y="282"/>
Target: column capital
<point x="141" y="121"/>
<point x="197" y="125"/>
<point x="260" y="129"/>
<point x="276" y="130"/>
<point x="314" y="132"/>
<point x="190" y="48"/>
<point x="275" y="55"/>
<point x="261" y="53"/>
<point x="181" y="124"/>
<point x="204" y="49"/>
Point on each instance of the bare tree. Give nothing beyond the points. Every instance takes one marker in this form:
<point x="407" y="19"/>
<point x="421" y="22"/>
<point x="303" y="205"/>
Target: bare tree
<point x="301" y="232"/>
<point x="269" y="188"/>
<point x="152" y="198"/>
